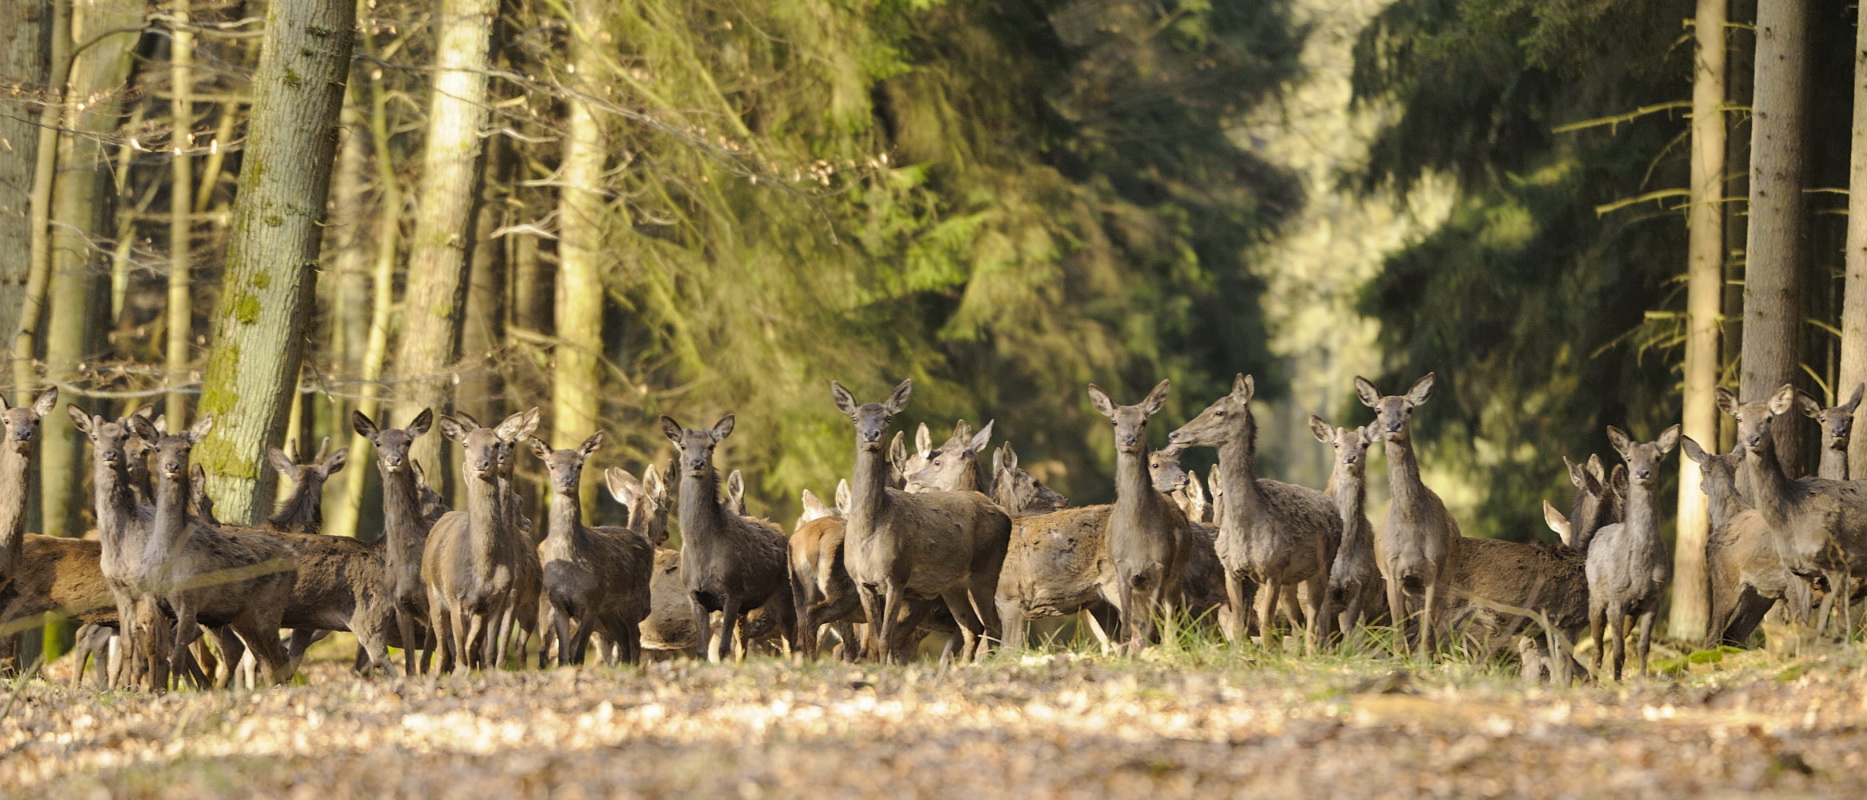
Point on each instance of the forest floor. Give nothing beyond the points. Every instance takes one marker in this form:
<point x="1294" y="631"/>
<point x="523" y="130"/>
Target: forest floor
<point x="1170" y="723"/>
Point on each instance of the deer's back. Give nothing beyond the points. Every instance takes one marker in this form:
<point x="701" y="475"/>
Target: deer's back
<point x="1534" y="576"/>
<point x="335" y="574"/>
<point x="1055" y="561"/>
<point x="1296" y="536"/>
<point x="247" y="551"/>
<point x="627" y="562"/>
<point x="930" y="540"/>
<point x="746" y="559"/>
<point x="670" y="622"/>
<point x="55" y="573"/>
<point x="1743" y="553"/>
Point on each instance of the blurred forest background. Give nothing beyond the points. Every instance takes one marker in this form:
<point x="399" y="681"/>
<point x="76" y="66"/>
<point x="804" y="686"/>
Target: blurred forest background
<point x="614" y="209"/>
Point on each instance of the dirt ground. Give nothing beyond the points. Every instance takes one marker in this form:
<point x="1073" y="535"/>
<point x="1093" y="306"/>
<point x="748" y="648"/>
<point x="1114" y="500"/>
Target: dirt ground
<point x="1162" y="725"/>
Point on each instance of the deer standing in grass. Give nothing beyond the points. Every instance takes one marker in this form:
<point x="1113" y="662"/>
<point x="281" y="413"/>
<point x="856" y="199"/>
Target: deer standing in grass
<point x="1819" y="525"/>
<point x="732" y="564"/>
<point x="473" y="561"/>
<point x="595" y="578"/>
<point x="1272" y="535"/>
<point x="405" y="531"/>
<point x="1746" y="575"/>
<point x="898" y="546"/>
<point x="1627" y="563"/>
<point x="1355" y="584"/>
<point x="1148" y="535"/>
<point x="1418" y="543"/>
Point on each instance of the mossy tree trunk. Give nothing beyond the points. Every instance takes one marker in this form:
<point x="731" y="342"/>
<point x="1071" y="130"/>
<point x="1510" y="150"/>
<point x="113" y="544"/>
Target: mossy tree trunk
<point x="447" y="190"/>
<point x="272" y="254"/>
<point x="25" y="69"/>
<point x="1704" y="288"/>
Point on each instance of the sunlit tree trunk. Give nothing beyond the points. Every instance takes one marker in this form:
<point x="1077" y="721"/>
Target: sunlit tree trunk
<point x="181" y="208"/>
<point x="1777" y="253"/>
<point x="1704" y="288"/>
<point x="447" y="190"/>
<point x="577" y="356"/>
<point x="272" y="254"/>
<point x="1854" y="306"/>
<point x="25" y="70"/>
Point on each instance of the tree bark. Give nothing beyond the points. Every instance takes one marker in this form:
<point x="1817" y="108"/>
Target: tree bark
<point x="181" y="208"/>
<point x="25" y="72"/>
<point x="272" y="254"/>
<point x="1854" y="304"/>
<point x="1776" y="255"/>
<point x="448" y="188"/>
<point x="484" y="325"/>
<point x="1704" y="305"/>
<point x="576" y="404"/>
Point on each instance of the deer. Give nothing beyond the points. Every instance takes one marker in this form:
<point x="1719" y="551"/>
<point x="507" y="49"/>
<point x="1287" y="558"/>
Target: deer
<point x="1745" y="574"/>
<point x="821" y="590"/>
<point x="1018" y="492"/>
<point x="1819" y="526"/>
<point x="1495" y="582"/>
<point x="1417" y="543"/>
<point x="1627" y="563"/>
<point x="1355" y="582"/>
<point x="898" y="546"/>
<point x="1596" y="501"/>
<point x="955" y="467"/>
<point x="1148" y="535"/>
<point x="1272" y="535"/>
<point x="405" y="530"/>
<point x="670" y="622"/>
<point x="302" y="511"/>
<point x="595" y="578"/>
<point x="1202" y="582"/>
<point x="731" y="563"/>
<point x="1837" y="425"/>
<point x="181" y="559"/>
<point x="475" y="561"/>
<point x="21" y="431"/>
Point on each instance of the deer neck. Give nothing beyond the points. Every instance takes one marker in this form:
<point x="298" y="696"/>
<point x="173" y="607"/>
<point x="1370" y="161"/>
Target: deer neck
<point x="1835" y="461"/>
<point x="118" y="528"/>
<point x="484" y="520"/>
<point x="868" y="491"/>
<point x="169" y="531"/>
<point x="404" y="527"/>
<point x="1135" y="498"/>
<point x="1403" y="475"/>
<point x="1723" y="507"/>
<point x="566" y="516"/>
<point x="701" y="511"/>
<point x="1769" y="487"/>
<point x="301" y="512"/>
<point x="18" y="480"/>
<point x="1244" y="500"/>
<point x="1640" y="516"/>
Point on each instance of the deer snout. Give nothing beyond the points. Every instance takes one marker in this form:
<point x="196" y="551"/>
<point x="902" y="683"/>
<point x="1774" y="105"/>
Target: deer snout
<point x="393" y="462"/>
<point x="173" y="468"/>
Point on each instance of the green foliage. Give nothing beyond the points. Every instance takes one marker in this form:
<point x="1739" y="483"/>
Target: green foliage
<point x="1001" y="202"/>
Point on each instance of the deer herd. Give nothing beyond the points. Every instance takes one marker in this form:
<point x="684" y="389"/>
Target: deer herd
<point x="916" y="542"/>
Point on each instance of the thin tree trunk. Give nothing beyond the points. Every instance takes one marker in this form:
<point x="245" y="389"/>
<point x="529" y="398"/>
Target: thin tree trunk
<point x="272" y="255"/>
<point x="577" y="356"/>
<point x="448" y="188"/>
<point x="1777" y="253"/>
<point x="1704" y="294"/>
<point x="181" y="207"/>
<point x="25" y="70"/>
<point x="1854" y="306"/>
<point x="484" y="326"/>
<point x="39" y="270"/>
<point x="349" y="310"/>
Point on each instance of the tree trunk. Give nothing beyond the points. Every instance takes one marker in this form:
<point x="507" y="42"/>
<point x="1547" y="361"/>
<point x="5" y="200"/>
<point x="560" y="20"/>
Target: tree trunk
<point x="484" y="325"/>
<point x="25" y="70"/>
<point x="1704" y="288"/>
<point x="447" y="188"/>
<point x="272" y="253"/>
<point x="1854" y="306"/>
<point x="1776" y="256"/>
<point x="577" y="355"/>
<point x="181" y="208"/>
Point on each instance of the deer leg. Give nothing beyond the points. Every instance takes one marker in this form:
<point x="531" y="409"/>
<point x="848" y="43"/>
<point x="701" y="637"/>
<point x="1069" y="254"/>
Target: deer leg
<point x="262" y="641"/>
<point x="1396" y="609"/>
<point x="971" y="628"/>
<point x="1597" y="618"/>
<point x="1268" y="595"/>
<point x="1317" y="613"/>
<point x="1232" y="618"/>
<point x="1011" y="621"/>
<point x="1429" y="622"/>
<point x="560" y="630"/>
<point x="1618" y="617"/>
<point x="442" y="632"/>
<point x="1646" y="634"/>
<point x="703" y="630"/>
<point x="578" y="643"/>
<point x="894" y="603"/>
<point x="726" y="645"/>
<point x="405" y="628"/>
<point x="464" y="638"/>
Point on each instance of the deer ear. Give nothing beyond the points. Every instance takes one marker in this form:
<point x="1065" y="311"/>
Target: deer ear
<point x="1156" y="398"/>
<point x="1617" y="480"/>
<point x="1244" y="387"/>
<point x="622" y="486"/>
<point x="1669" y="439"/>
<point x="723" y="428"/>
<point x="1727" y="402"/>
<point x="363" y="425"/>
<point x="538" y="447"/>
<point x="1006" y="459"/>
<point x="1692" y="450"/>
<point x="1810" y="408"/>
<point x="1854" y="400"/>
<point x="1595" y="468"/>
<point x="736" y="488"/>
<point x="281" y="463"/>
<point x="336" y="462"/>
<point x="671" y="429"/>
<point x="1422" y="390"/>
<point x="898" y="401"/>
<point x="1621" y="441"/>
<point x="813" y="507"/>
<point x="843" y="494"/>
<point x="1370" y="396"/>
<point x="592" y="444"/>
<point x="1558" y="523"/>
<point x="143" y="429"/>
<point x="845" y="402"/>
<point x="147" y="411"/>
<point x="48" y="399"/>
<point x="898" y="450"/>
<point x="1195" y="491"/>
<point x="1321" y="430"/>
<point x="1577" y="475"/>
<point x="419" y="425"/>
<point x="452" y="429"/>
<point x="982" y="438"/>
<point x="80" y="418"/>
<point x="1100" y="399"/>
<point x="200" y="429"/>
<point x="1783" y="400"/>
